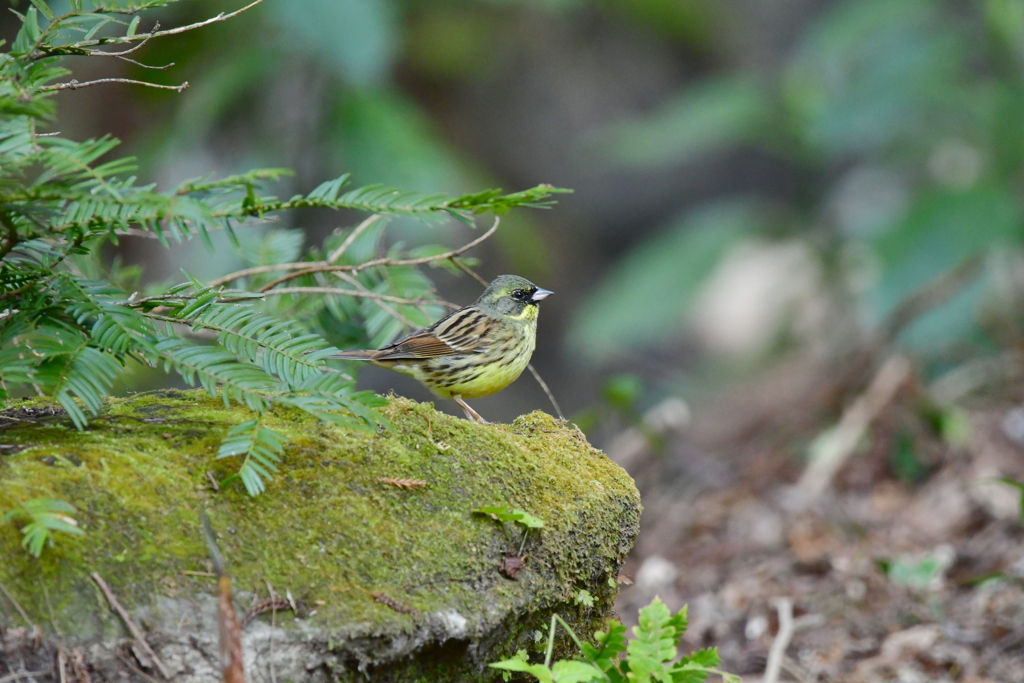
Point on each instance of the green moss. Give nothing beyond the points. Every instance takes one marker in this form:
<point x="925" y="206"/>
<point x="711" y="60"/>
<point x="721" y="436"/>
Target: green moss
<point x="326" y="529"/>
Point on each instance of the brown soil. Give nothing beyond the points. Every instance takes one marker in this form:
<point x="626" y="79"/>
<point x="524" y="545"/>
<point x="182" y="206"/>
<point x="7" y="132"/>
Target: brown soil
<point x="909" y="568"/>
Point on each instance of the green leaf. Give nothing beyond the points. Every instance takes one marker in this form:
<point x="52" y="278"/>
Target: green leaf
<point x="504" y="513"/>
<point x="611" y="643"/>
<point x="708" y="657"/>
<point x="29" y="33"/>
<point x="45" y="9"/>
<point x="583" y="597"/>
<point x="679" y="622"/>
<point x="696" y="667"/>
<point x="567" y="671"/>
<point x="649" y="654"/>
<point x="538" y="671"/>
<point x="917" y="574"/>
<point x="654" y="644"/>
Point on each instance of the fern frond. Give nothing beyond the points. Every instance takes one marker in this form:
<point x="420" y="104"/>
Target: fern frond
<point x="391" y="201"/>
<point x="262" y="448"/>
<point x="281" y="348"/>
<point x="71" y="369"/>
<point x="114" y="326"/>
<point x="45" y="515"/>
<point x="218" y="371"/>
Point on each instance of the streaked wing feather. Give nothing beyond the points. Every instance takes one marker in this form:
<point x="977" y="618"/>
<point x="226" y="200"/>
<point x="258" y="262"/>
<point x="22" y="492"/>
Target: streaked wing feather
<point x="466" y="330"/>
<point x="420" y="345"/>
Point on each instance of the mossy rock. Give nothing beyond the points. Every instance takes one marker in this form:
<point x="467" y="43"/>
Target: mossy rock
<point x="401" y="584"/>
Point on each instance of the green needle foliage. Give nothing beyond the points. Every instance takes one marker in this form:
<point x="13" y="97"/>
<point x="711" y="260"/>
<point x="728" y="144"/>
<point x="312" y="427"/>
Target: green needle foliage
<point x="43" y="516"/>
<point x="651" y="655"/>
<point x="70" y="327"/>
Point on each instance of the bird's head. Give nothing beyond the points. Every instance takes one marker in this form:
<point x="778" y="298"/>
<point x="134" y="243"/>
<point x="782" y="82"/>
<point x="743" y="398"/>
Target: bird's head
<point x="512" y="296"/>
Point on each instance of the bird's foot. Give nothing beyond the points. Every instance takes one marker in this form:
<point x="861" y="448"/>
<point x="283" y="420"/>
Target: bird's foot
<point x="471" y="414"/>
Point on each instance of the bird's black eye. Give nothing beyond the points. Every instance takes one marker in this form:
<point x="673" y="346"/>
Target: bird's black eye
<point x="521" y="295"/>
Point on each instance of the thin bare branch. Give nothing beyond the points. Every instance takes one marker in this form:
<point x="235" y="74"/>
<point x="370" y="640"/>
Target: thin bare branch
<point x="226" y="297"/>
<point x="430" y="259"/>
<point x="833" y="448"/>
<point x="230" y="633"/>
<point x="387" y="309"/>
<point x="784" y="606"/>
<point x="18" y="675"/>
<point x="360" y="295"/>
<point x="324" y="267"/>
<point x="140" y="639"/>
<point x="149" y="36"/>
<point x="122" y="40"/>
<point x="359" y="230"/>
<point x="934" y="293"/>
<point x="146" y="66"/>
<point x="259" y="270"/>
<point x="544" y="386"/>
<point x="75" y="85"/>
<point x="17" y="605"/>
<point x="468" y="271"/>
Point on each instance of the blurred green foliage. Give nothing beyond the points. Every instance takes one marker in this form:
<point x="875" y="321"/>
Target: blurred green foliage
<point x="895" y="126"/>
<point x="904" y="120"/>
<point x="358" y="37"/>
<point x="644" y="298"/>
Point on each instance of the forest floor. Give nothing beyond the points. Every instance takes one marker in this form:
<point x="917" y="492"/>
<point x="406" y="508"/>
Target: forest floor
<point x="908" y="567"/>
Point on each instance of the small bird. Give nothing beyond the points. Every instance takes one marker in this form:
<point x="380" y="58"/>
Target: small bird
<point x="473" y="352"/>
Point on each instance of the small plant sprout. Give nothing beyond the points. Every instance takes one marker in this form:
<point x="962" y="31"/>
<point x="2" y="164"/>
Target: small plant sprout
<point x="503" y="514"/>
<point x="45" y="515"/>
<point x="583" y="597"/>
<point x="651" y="655"/>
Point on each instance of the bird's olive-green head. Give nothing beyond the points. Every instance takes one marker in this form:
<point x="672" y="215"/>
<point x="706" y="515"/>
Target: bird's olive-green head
<point x="511" y="296"/>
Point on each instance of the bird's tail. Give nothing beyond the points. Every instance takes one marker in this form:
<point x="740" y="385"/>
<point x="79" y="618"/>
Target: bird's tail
<point x="354" y="355"/>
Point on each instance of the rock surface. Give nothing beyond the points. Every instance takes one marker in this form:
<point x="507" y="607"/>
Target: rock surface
<point x="399" y="584"/>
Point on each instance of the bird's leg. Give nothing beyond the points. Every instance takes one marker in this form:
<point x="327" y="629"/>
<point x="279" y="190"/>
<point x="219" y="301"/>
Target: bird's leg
<point x="471" y="414"/>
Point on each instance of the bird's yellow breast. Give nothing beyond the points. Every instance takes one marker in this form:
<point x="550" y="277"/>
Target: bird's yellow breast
<point x="474" y="375"/>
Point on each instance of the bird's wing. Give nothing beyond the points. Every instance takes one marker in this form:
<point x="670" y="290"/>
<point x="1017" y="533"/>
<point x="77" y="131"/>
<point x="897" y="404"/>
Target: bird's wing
<point x="467" y="330"/>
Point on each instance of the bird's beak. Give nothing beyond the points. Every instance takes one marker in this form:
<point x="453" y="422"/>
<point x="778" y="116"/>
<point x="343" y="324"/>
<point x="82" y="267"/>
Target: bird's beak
<point x="540" y="295"/>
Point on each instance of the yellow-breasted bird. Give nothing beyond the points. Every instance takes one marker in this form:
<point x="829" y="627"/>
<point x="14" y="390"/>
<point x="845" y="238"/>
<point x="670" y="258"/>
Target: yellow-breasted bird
<point x="473" y="352"/>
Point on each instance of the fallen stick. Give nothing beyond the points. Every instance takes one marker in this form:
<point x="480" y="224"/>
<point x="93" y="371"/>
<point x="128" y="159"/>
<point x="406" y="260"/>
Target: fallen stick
<point x="140" y="639"/>
<point x="22" y="674"/>
<point x="229" y="632"/>
<point x="782" y="639"/>
<point x="836" y="446"/>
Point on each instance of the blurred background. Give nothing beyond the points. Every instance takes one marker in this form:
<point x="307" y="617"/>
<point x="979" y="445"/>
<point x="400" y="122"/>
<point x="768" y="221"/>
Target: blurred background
<point x="771" y="197"/>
